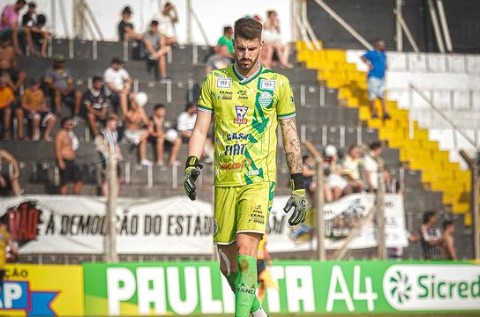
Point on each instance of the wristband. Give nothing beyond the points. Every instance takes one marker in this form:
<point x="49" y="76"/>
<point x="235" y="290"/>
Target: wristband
<point x="191" y="161"/>
<point x="297" y="181"/>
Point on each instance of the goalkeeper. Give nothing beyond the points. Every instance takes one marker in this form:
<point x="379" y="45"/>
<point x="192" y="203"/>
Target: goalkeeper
<point x="246" y="101"/>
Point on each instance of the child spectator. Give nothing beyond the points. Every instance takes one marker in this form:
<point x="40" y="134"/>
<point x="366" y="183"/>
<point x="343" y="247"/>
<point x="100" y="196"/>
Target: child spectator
<point x="117" y="85"/>
<point x="162" y="133"/>
<point x="6" y="101"/>
<point x="95" y="105"/>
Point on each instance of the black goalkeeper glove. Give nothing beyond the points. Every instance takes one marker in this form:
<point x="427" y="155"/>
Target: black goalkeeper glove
<point x="192" y="171"/>
<point x="297" y="201"/>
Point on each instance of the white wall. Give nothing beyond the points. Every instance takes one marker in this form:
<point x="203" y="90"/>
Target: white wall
<point x="213" y="14"/>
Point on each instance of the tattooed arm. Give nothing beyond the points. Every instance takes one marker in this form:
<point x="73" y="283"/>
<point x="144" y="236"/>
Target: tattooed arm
<point x="291" y="144"/>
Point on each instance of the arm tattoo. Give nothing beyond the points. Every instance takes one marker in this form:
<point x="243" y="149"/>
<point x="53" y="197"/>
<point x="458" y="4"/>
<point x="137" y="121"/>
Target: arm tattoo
<point x="291" y="144"/>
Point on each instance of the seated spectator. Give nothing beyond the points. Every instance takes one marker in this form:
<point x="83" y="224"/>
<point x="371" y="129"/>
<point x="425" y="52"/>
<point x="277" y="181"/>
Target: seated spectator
<point x="118" y="84"/>
<point x="66" y="146"/>
<point x="218" y="60"/>
<point x="107" y="144"/>
<point x="137" y="126"/>
<point x="60" y="86"/>
<point x="337" y="185"/>
<point x="226" y="40"/>
<point x="29" y="19"/>
<point x="162" y="133"/>
<point x="95" y="105"/>
<point x="309" y="172"/>
<point x="7" y="99"/>
<point x="36" y="34"/>
<point x="392" y="184"/>
<point x="371" y="166"/>
<point x="33" y="106"/>
<point x="9" y="22"/>
<point x="351" y="168"/>
<point x="126" y="31"/>
<point x="272" y="42"/>
<point x="186" y="123"/>
<point x="156" y="48"/>
<point x="8" y="64"/>
<point x="9" y="183"/>
<point x="167" y="19"/>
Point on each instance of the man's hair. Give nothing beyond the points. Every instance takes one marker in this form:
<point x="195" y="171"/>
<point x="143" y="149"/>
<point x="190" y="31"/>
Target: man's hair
<point x="375" y="145"/>
<point x="116" y="60"/>
<point x="248" y="28"/>
<point x="227" y="29"/>
<point x="190" y="105"/>
<point x="41" y="19"/>
<point x="112" y="116"/>
<point x="427" y="215"/>
<point x="96" y="78"/>
<point x="22" y="2"/>
<point x="446" y="224"/>
<point x="154" y="23"/>
<point x="158" y="106"/>
<point x="64" y="120"/>
<point x="32" y="4"/>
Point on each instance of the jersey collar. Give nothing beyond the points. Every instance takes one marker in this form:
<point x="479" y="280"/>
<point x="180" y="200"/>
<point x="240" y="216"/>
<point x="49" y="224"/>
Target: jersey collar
<point x="245" y="80"/>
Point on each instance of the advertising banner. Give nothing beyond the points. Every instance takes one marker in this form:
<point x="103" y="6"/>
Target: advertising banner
<point x="194" y="288"/>
<point x="42" y="290"/>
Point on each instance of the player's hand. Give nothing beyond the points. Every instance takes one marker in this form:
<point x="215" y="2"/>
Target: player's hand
<point x="192" y="171"/>
<point x="297" y="201"/>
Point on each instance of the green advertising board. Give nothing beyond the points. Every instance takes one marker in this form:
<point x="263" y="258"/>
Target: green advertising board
<point x="194" y="288"/>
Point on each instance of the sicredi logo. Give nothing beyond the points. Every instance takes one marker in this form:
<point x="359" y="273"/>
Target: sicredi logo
<point x="432" y="287"/>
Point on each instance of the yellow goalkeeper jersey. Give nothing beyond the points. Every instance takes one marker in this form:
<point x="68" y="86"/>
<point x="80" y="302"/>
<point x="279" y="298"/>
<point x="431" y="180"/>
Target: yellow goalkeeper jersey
<point x="245" y="115"/>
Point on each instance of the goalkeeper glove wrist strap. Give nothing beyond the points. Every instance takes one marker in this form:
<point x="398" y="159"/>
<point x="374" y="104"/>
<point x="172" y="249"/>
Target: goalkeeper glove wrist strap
<point x="297" y="181"/>
<point x="191" y="161"/>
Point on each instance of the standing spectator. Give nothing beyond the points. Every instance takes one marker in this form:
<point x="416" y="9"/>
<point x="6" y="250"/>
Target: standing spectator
<point x="9" y="22"/>
<point x="218" y="60"/>
<point x="449" y="251"/>
<point x="107" y="143"/>
<point x="376" y="60"/>
<point x="371" y="166"/>
<point x="8" y="64"/>
<point x="9" y="183"/>
<point x="161" y="133"/>
<point x="226" y="40"/>
<point x="60" y="83"/>
<point x="118" y="84"/>
<point x="95" y="105"/>
<point x="351" y="168"/>
<point x="392" y="184"/>
<point x="272" y="42"/>
<point x="126" y="30"/>
<point x="66" y="146"/>
<point x="33" y="106"/>
<point x="137" y="127"/>
<point x="6" y="101"/>
<point x="156" y="48"/>
<point x="167" y="19"/>
<point x="430" y="237"/>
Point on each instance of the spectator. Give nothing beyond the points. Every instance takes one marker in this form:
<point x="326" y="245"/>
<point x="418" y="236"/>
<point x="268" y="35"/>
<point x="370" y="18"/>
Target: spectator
<point x="137" y="126"/>
<point x="126" y="31"/>
<point x="351" y="168"/>
<point x="29" y="19"/>
<point x="38" y="35"/>
<point x="156" y="48"/>
<point x="5" y="242"/>
<point x="33" y="106"/>
<point x="272" y="42"/>
<point x="332" y="169"/>
<point x="376" y="60"/>
<point x="226" y="40"/>
<point x="8" y="64"/>
<point x="218" y="60"/>
<point x="9" y="22"/>
<point x="392" y="185"/>
<point x="6" y="102"/>
<point x="185" y="124"/>
<point x="430" y="237"/>
<point x="66" y="146"/>
<point x="167" y="19"/>
<point x="107" y="143"/>
<point x="449" y="251"/>
<point x="60" y="83"/>
<point x="309" y="172"/>
<point x="95" y="105"/>
<point x="9" y="183"/>
<point x="161" y="133"/>
<point x="371" y="166"/>
<point x="118" y="84"/>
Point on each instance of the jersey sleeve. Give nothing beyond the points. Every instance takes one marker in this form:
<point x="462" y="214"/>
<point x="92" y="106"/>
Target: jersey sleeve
<point x="286" y="102"/>
<point x="205" y="102"/>
<point x="368" y="55"/>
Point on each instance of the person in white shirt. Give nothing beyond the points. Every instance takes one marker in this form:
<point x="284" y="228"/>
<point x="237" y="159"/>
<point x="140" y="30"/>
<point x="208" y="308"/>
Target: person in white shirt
<point x="371" y="165"/>
<point x="118" y="84"/>
<point x="167" y="19"/>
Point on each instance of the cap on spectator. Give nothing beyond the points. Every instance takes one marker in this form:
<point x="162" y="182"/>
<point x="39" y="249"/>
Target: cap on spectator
<point x="58" y="59"/>
<point x="117" y="60"/>
<point x="330" y="150"/>
<point x="32" y="4"/>
<point x="127" y="10"/>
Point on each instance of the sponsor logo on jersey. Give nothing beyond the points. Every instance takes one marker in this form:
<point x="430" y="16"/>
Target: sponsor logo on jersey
<point x="226" y="95"/>
<point x="231" y="166"/>
<point x="224" y="82"/>
<point x="241" y="112"/>
<point x="242" y="94"/>
<point x="237" y="136"/>
<point x="267" y="84"/>
<point x="265" y="99"/>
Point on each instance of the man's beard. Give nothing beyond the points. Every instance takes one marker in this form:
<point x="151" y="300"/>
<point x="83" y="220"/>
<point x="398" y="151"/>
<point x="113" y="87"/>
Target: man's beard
<point x="246" y="67"/>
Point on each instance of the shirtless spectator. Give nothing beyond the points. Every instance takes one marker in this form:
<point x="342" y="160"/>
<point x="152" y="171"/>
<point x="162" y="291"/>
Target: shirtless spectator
<point x="95" y="105"/>
<point x="156" y="48"/>
<point x="6" y="101"/>
<point x="9" y="183"/>
<point x="218" y="60"/>
<point x="137" y="126"/>
<point x="126" y="32"/>
<point x="36" y="35"/>
<point x="351" y="168"/>
<point x="273" y="42"/>
<point x="33" y="106"/>
<point x="449" y="252"/>
<point x="9" y="22"/>
<point x="162" y="132"/>
<point x="167" y="19"/>
<point x="60" y="83"/>
<point x="8" y="64"/>
<point x="66" y="146"/>
<point x="118" y="84"/>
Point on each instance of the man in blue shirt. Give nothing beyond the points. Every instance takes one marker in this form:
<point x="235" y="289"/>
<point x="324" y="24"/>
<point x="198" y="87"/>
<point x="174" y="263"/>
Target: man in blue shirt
<point x="376" y="60"/>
